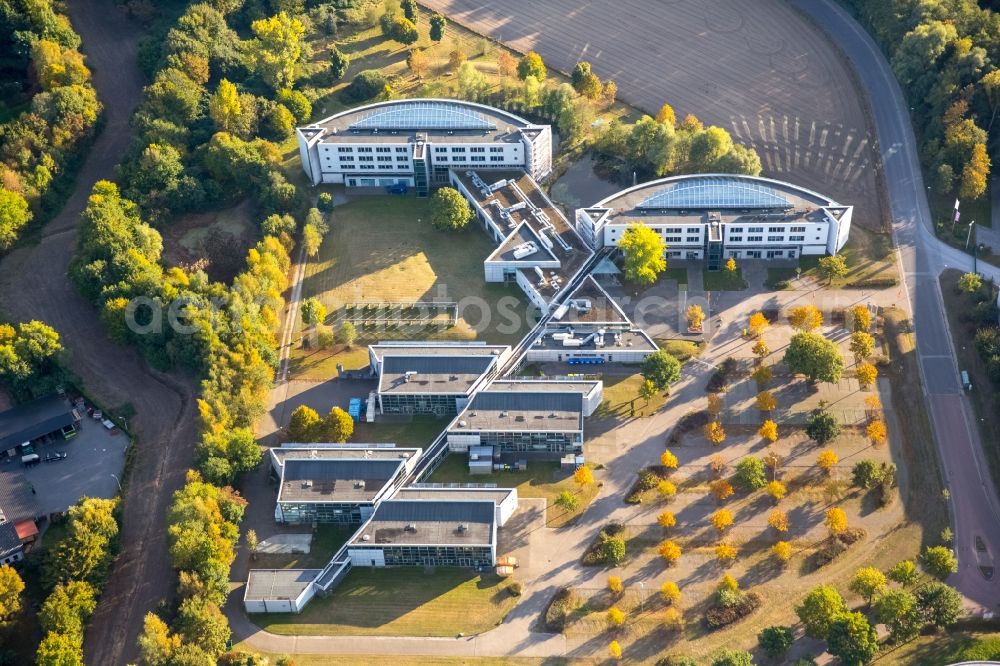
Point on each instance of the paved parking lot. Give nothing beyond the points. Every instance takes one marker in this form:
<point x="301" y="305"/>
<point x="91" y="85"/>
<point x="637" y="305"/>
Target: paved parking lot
<point x="92" y="457"/>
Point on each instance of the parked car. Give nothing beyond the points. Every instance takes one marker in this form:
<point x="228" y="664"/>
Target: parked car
<point x="30" y="460"/>
<point x="54" y="456"/>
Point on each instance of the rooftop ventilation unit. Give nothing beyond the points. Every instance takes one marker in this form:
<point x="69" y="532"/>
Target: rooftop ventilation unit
<point x="503" y="414"/>
<point x="525" y="250"/>
<point x="359" y="485"/>
<point x="411" y="527"/>
<point x="366" y="537"/>
<point x="462" y="527"/>
<point x="307" y="484"/>
<point x="462" y="424"/>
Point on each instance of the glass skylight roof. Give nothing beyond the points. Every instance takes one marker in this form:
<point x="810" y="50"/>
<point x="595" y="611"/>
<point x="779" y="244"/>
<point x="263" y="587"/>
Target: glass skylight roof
<point x="423" y="116"/>
<point x="716" y="192"/>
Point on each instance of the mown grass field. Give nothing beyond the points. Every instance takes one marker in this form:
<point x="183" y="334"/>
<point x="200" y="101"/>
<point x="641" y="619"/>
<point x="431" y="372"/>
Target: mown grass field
<point x="403" y="601"/>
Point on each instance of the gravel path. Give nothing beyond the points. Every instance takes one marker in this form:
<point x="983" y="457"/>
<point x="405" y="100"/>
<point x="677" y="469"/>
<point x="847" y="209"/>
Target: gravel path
<point x="35" y="285"/>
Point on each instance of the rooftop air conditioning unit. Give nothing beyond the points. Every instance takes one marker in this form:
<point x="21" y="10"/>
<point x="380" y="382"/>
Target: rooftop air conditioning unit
<point x="462" y="527"/>
<point x="503" y="415"/>
<point x="307" y="484"/>
<point x="366" y="537"/>
<point x="462" y="424"/>
<point x="411" y="527"/>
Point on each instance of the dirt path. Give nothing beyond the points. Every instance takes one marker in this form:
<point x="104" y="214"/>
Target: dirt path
<point x="34" y="285"/>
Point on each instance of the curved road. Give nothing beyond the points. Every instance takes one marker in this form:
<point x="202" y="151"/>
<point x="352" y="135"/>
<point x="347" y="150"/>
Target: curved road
<point x="35" y="285"/>
<point x="975" y="511"/>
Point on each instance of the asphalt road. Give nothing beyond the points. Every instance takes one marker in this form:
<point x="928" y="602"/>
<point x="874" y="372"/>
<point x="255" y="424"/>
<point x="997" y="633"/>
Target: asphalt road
<point x="973" y="498"/>
<point x="34" y="284"/>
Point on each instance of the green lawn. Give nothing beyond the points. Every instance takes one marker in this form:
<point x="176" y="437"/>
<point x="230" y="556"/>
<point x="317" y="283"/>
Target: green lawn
<point x="542" y="479"/>
<point x="420" y="430"/>
<point x="724" y="280"/>
<point x="621" y="394"/>
<point x="682" y="350"/>
<point x="326" y="541"/>
<point x="678" y="275"/>
<point x="404" y="601"/>
<point x="383" y="249"/>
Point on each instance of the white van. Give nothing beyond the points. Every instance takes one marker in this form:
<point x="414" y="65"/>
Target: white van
<point x="30" y="459"/>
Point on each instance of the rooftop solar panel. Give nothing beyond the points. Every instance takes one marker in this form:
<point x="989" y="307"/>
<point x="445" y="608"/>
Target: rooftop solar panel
<point x="716" y="192"/>
<point x="423" y="116"/>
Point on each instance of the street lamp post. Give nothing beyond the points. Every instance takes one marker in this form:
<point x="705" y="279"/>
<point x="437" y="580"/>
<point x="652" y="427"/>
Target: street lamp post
<point x="969" y="235"/>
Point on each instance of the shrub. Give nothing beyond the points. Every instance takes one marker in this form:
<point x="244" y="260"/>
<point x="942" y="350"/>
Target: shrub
<point x="562" y="605"/>
<point x="939" y="561"/>
<point x="616" y="617"/>
<point x="670" y="592"/>
<point x="515" y="589"/>
<point x="365" y="85"/>
<point x="733" y="609"/>
<point x="750" y="474"/>
<point x="775" y="641"/>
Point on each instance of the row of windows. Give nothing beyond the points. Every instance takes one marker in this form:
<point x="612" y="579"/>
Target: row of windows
<point x="771" y="239"/>
<point x="367" y="149"/>
<point x="770" y="230"/>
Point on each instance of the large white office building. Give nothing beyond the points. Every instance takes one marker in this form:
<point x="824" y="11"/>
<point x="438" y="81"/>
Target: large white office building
<point x="416" y="142"/>
<point x="718" y="216"/>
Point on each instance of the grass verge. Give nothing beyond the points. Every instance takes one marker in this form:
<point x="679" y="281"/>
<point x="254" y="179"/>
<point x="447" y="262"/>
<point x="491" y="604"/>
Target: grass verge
<point x="724" y="280"/>
<point x="403" y="601"/>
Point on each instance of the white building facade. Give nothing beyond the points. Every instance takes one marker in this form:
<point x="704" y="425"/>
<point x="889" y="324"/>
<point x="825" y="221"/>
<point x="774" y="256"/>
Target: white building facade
<point x="714" y="217"/>
<point x="415" y="142"/>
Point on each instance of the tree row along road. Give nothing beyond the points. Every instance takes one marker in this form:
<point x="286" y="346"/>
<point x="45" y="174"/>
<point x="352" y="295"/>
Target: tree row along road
<point x="35" y="284"/>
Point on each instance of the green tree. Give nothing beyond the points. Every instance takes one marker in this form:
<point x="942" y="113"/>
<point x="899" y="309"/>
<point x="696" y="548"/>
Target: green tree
<point x="60" y="650"/>
<point x="939" y="561"/>
<point x="156" y="644"/>
<point x="338" y="426"/>
<point x="438" y="24"/>
<point x="643" y="249"/>
<point x="975" y="173"/>
<point x="970" y="283"/>
<point x="402" y="30"/>
<point x="14" y="214"/>
<point x="661" y="368"/>
<point x="866" y="473"/>
<point x="822" y="426"/>
<point x="612" y="549"/>
<point x="750" y="474"/>
<point x="67" y="609"/>
<point x="904" y="573"/>
<point x="728" y="657"/>
<point x="312" y="239"/>
<point x="868" y="583"/>
<point x="833" y="267"/>
<point x="339" y="62"/>
<point x="814" y="356"/>
<point x="449" y="209"/>
<point x="276" y="49"/>
<point x="648" y="390"/>
<point x="11" y="587"/>
<point x="347" y="334"/>
<point x="304" y="424"/>
<point x="410" y="11"/>
<point x="531" y="65"/>
<point x="201" y="623"/>
<point x="775" y="641"/>
<point x="899" y="612"/>
<point x="852" y="639"/>
<point x="567" y="501"/>
<point x="939" y="604"/>
<point x="296" y="102"/>
<point x="313" y="312"/>
<point x="819" y="608"/>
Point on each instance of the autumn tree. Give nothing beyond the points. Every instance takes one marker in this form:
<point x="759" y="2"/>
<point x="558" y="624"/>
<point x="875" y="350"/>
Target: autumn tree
<point x="714" y="405"/>
<point x="304" y="425"/>
<point x="862" y="344"/>
<point x="338" y="426"/>
<point x="876" y="431"/>
<point x="583" y="476"/>
<point x="852" y="639"/>
<point x="416" y="61"/>
<point x="669" y="551"/>
<point x="904" y="573"/>
<point x="939" y="561"/>
<point x="668" y="459"/>
<point x="666" y="115"/>
<point x="861" y="319"/>
<point x="836" y="520"/>
<point x="666" y="519"/>
<point x="866" y="373"/>
<point x="615" y="650"/>
<point x="567" y="501"/>
<point x="506" y="64"/>
<point x="762" y="374"/>
<point x="11" y="587"/>
<point x="715" y="433"/>
<point x="731" y="265"/>
<point x="782" y="551"/>
<point x="827" y="460"/>
<point x="758" y="324"/>
<point x="643" y="250"/>
<point x="14" y="214"/>
<point x="766" y="401"/>
<point x="970" y="283"/>
<point x="722" y="519"/>
<point x="670" y="592"/>
<point x="777" y="490"/>
<point x="224" y="108"/>
<point x="615" y="617"/>
<point x="695" y="317"/>
<point x="760" y="349"/>
<point x="721" y="489"/>
<point x="899" y="612"/>
<point x="778" y="520"/>
<point x="768" y="430"/>
<point x="975" y="173"/>
<point x="648" y="390"/>
<point x="531" y="65"/>
<point x="666" y="489"/>
<point x="725" y="552"/>
<point x="805" y="317"/>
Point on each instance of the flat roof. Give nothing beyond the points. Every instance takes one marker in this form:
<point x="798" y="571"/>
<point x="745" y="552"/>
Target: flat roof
<point x="522" y="411"/>
<point x="735" y="198"/>
<point x="437" y="374"/>
<point x="435" y="120"/>
<point x="419" y="522"/>
<point x="336" y="481"/>
<point x="425" y="492"/>
<point x="33" y="419"/>
<point x="614" y="341"/>
<point x="548" y="385"/>
<point x="522" y="236"/>
<point x="424" y="348"/>
<point x="10" y="542"/>
<point x="590" y="304"/>
<point x="353" y="451"/>
<point x="278" y="583"/>
<point x="519" y="188"/>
